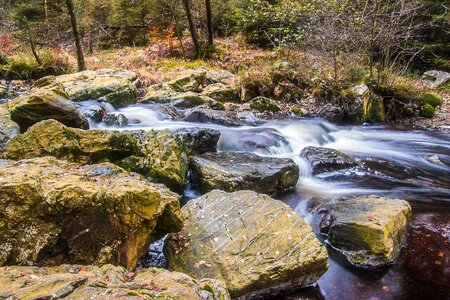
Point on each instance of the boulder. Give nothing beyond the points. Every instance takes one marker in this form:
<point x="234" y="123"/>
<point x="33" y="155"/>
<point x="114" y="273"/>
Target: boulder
<point x="117" y="120"/>
<point x="117" y="87"/>
<point x="368" y="230"/>
<point x="221" y="92"/>
<point x="233" y="171"/>
<point x="331" y="113"/>
<point x="204" y="115"/>
<point x="198" y="140"/>
<point x="3" y="91"/>
<point x="106" y="282"/>
<point x="257" y="245"/>
<point x="54" y="212"/>
<point x="155" y="155"/>
<point x="94" y="112"/>
<point x="8" y="128"/>
<point x="46" y="100"/>
<point x="263" y="104"/>
<point x="324" y="160"/>
<point x="435" y="78"/>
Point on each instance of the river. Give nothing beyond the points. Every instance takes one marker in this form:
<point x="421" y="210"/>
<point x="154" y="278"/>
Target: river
<point x="398" y="162"/>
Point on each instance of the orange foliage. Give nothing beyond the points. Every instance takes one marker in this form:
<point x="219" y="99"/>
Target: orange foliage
<point x="6" y="44"/>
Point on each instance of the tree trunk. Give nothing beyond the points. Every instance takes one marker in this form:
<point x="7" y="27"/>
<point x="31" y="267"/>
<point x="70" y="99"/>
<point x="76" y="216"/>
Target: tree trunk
<point x="30" y="39"/>
<point x="187" y="8"/>
<point x="209" y="24"/>
<point x="76" y="35"/>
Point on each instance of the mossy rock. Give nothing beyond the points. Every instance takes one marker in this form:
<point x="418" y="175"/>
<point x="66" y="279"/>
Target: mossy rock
<point x="427" y="111"/>
<point x="263" y="104"/>
<point x="157" y="155"/>
<point x="118" y="87"/>
<point x="47" y="99"/>
<point x="368" y="230"/>
<point x="373" y="109"/>
<point x="106" y="282"/>
<point x="55" y="212"/>
<point x="431" y="99"/>
<point x="257" y="245"/>
<point x="298" y="111"/>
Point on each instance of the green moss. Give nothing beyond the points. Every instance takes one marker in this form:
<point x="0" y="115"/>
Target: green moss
<point x="297" y="111"/>
<point x="373" y="109"/>
<point x="431" y="99"/>
<point x="262" y="104"/>
<point x="427" y="111"/>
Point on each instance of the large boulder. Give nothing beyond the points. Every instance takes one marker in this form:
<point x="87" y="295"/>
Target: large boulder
<point x="263" y="104"/>
<point x="368" y="230"/>
<point x="327" y="160"/>
<point x="195" y="87"/>
<point x="8" y="128"/>
<point x="54" y="212"/>
<point x="117" y="87"/>
<point x="198" y="140"/>
<point x="107" y="282"/>
<point x="233" y="171"/>
<point x="46" y="100"/>
<point x="257" y="245"/>
<point x="156" y="155"/>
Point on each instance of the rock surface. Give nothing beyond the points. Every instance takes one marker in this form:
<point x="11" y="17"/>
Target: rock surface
<point x="155" y="155"/>
<point x="324" y="160"/>
<point x="331" y="113"/>
<point x="54" y="212"/>
<point x="368" y="230"/>
<point x="46" y="100"/>
<point x="117" y="87"/>
<point x="107" y="282"/>
<point x="258" y="246"/>
<point x="263" y="104"/>
<point x="436" y="78"/>
<point x="202" y="115"/>
<point x="8" y="128"/>
<point x="198" y="140"/>
<point x="195" y="87"/>
<point x="232" y="171"/>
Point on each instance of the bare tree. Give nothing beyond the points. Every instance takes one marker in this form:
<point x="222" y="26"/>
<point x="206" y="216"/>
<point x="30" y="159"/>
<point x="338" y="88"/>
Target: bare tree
<point x="193" y="31"/>
<point x="76" y="35"/>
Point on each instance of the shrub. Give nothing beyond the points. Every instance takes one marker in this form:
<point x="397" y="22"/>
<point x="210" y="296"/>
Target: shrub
<point x="431" y="99"/>
<point x="427" y="111"/>
<point x="357" y="74"/>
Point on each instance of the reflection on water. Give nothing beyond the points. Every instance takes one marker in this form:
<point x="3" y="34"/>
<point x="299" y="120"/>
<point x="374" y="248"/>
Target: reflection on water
<point x="412" y="165"/>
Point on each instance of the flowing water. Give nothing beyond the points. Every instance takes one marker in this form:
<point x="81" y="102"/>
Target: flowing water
<point x="409" y="164"/>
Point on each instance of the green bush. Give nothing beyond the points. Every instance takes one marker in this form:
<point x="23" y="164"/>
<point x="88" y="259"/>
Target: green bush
<point x="431" y="99"/>
<point x="427" y="111"/>
<point x="357" y="74"/>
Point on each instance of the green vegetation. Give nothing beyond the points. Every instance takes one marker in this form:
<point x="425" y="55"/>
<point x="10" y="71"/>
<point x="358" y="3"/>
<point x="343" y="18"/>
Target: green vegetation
<point x="431" y="99"/>
<point x="427" y="111"/>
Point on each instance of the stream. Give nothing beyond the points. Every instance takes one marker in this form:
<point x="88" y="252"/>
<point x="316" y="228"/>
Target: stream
<point x="398" y="162"/>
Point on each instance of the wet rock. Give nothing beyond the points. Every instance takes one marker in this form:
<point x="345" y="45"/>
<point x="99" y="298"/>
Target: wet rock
<point x="373" y="109"/>
<point x="331" y="113"/>
<point x="435" y="78"/>
<point x="94" y="112"/>
<point x="327" y="160"/>
<point x="8" y="128"/>
<point x="263" y="104"/>
<point x="55" y="212"/>
<point x="46" y="100"/>
<point x="158" y="93"/>
<point x="170" y="112"/>
<point x="155" y="155"/>
<point x="106" y="282"/>
<point x="118" y="120"/>
<point x="203" y="115"/>
<point x="189" y="100"/>
<point x="257" y="245"/>
<point x="368" y="230"/>
<point x="198" y="140"/>
<point x="117" y="87"/>
<point x="232" y="171"/>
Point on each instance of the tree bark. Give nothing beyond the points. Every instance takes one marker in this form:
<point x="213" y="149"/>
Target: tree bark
<point x="209" y="24"/>
<point x="76" y="35"/>
<point x="187" y="8"/>
<point x="30" y="39"/>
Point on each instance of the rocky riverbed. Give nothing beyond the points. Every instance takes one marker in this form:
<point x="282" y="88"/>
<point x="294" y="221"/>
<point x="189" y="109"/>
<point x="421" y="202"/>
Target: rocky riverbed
<point x="91" y="176"/>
